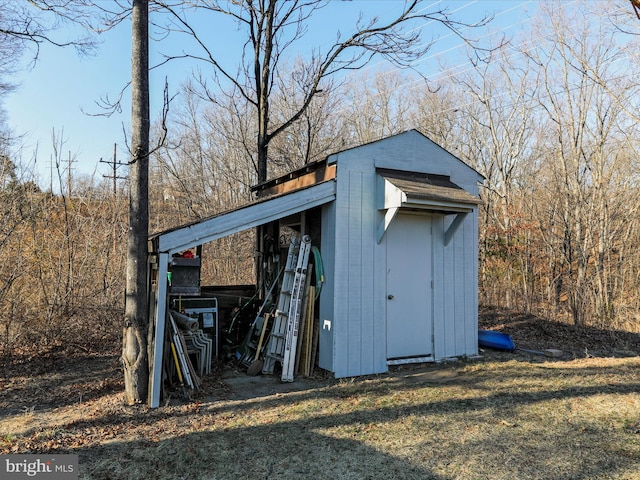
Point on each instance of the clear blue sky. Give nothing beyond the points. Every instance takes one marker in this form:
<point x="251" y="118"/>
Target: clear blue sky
<point x="54" y="94"/>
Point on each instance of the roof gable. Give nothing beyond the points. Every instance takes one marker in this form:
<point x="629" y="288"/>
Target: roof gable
<point x="412" y="151"/>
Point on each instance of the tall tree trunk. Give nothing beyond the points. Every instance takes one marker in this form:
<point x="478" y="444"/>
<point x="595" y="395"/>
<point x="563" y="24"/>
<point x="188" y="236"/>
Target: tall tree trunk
<point x="136" y="315"/>
<point x="263" y="81"/>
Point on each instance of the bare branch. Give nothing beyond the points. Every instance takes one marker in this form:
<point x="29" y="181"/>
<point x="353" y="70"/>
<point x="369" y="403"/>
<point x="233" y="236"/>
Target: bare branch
<point x="273" y="27"/>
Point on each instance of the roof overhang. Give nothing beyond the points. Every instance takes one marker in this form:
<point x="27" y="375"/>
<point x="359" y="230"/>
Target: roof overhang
<point x="421" y="192"/>
<point x="243" y="218"/>
<point x="165" y="244"/>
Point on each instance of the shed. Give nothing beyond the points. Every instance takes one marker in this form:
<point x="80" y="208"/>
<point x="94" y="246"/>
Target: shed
<point x="396" y="222"/>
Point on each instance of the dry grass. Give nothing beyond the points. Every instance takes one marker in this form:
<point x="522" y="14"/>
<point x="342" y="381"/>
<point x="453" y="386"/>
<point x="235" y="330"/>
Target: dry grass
<point x="505" y="416"/>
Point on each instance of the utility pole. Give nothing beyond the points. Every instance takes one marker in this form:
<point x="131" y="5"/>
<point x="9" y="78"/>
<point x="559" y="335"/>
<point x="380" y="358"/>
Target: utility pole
<point x="51" y="174"/>
<point x="69" y="162"/>
<point x="114" y="165"/>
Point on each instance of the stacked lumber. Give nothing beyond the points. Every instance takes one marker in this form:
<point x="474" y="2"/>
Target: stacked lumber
<point x="308" y="338"/>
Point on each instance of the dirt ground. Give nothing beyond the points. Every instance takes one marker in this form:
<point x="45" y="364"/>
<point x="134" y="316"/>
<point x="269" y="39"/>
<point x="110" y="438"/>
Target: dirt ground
<point x="39" y="392"/>
<point x="534" y="333"/>
<point x="59" y="377"/>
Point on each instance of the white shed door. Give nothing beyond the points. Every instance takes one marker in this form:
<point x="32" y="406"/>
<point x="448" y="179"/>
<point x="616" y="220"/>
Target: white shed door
<point x="409" y="288"/>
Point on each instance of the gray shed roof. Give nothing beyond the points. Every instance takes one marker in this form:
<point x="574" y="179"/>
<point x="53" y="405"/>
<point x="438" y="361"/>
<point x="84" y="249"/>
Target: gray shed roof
<point x="243" y="218"/>
<point x="423" y="191"/>
<point x="433" y="187"/>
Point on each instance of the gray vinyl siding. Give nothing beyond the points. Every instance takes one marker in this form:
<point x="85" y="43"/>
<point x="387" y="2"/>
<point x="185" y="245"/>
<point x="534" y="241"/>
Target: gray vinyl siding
<point x="327" y="296"/>
<point x="359" y="270"/>
<point x="455" y="289"/>
<point x="440" y="286"/>
<point x="360" y="343"/>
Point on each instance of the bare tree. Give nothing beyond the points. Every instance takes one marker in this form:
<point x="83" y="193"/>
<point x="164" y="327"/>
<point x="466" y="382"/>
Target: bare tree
<point x="25" y="26"/>
<point x="15" y="211"/>
<point x="32" y="23"/>
<point x="495" y="128"/>
<point x="60" y="284"/>
<point x="581" y="206"/>
<point x="317" y="131"/>
<point x="274" y="27"/>
<point x="377" y="105"/>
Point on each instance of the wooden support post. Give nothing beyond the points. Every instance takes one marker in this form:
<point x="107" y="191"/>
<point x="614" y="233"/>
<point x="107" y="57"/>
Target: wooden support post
<point x="155" y="376"/>
<point x="448" y="235"/>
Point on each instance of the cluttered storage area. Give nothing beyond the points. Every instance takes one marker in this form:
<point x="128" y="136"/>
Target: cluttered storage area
<point x="364" y="260"/>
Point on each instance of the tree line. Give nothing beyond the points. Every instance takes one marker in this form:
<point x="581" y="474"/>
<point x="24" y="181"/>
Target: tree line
<point x="549" y="118"/>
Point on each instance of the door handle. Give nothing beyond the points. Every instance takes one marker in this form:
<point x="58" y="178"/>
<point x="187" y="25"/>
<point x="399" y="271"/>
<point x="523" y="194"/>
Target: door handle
<point x="390" y="297"/>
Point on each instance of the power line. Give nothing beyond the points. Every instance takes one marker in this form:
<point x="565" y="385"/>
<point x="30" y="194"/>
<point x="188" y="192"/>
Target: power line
<point x="459" y="68"/>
